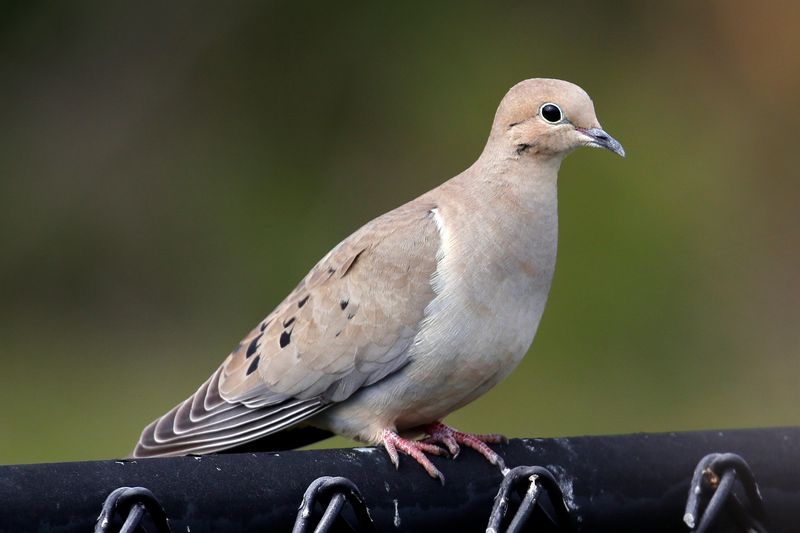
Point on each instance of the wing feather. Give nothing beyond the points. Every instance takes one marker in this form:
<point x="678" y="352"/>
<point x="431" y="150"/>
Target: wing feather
<point x="348" y="324"/>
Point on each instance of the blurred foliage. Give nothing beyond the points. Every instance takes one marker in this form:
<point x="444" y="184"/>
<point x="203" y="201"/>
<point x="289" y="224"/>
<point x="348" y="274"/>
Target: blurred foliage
<point x="169" y="171"/>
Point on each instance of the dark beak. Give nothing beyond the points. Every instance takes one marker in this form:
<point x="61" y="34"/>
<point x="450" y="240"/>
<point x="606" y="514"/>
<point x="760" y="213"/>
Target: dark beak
<point x="601" y="139"/>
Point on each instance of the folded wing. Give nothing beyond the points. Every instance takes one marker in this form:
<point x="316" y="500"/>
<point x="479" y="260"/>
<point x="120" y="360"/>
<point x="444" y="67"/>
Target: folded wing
<point x="347" y="325"/>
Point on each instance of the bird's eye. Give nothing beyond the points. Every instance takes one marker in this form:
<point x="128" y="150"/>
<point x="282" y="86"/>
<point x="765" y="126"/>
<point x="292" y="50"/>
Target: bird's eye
<point x="551" y="113"/>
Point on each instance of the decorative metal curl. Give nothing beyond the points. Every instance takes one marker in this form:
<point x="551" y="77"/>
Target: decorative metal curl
<point x="132" y="503"/>
<point x="538" y="480"/>
<point x="336" y="490"/>
<point x="712" y="482"/>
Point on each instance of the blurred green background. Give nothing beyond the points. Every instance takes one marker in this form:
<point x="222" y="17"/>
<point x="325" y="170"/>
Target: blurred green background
<point x="169" y="171"/>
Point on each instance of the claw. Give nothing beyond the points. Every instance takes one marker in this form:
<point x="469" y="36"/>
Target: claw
<point x="451" y="438"/>
<point x="440" y="434"/>
<point x="391" y="451"/>
<point x="415" y="449"/>
<point x="443" y="437"/>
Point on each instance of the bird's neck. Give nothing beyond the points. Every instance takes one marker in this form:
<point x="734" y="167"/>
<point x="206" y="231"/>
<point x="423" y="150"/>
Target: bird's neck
<point x="512" y="205"/>
<point x="525" y="183"/>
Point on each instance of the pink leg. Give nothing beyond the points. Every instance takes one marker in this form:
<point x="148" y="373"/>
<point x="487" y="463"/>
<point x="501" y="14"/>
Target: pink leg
<point x="443" y="434"/>
<point x="416" y="449"/>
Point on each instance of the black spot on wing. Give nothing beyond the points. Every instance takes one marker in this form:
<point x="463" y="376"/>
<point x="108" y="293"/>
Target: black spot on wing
<point x="350" y="315"/>
<point x="302" y="302"/>
<point x="343" y="304"/>
<point x="288" y="323"/>
<point x="254" y="365"/>
<point x="285" y="339"/>
<point x="253" y="347"/>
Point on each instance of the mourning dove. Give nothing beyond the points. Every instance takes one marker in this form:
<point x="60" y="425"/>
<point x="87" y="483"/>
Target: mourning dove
<point x="413" y="316"/>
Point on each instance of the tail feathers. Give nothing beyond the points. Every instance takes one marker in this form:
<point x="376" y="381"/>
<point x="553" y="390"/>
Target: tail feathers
<point x="236" y="426"/>
<point x="207" y="423"/>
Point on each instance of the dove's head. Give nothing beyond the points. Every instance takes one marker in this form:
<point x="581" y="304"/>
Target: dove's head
<point x="548" y="118"/>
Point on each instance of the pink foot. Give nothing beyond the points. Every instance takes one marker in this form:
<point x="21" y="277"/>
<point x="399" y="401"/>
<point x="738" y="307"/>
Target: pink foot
<point x="416" y="449"/>
<point x="443" y="434"/>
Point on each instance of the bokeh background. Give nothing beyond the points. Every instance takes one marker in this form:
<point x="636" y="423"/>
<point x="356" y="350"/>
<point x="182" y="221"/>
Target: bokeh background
<point x="169" y="171"/>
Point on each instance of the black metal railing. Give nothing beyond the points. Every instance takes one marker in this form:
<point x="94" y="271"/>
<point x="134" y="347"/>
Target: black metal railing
<point x="673" y="482"/>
